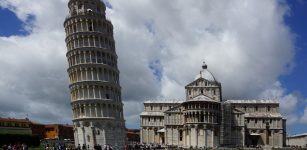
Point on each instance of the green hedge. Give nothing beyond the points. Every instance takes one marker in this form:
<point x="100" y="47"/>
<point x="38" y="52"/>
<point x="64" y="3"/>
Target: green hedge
<point x="30" y="140"/>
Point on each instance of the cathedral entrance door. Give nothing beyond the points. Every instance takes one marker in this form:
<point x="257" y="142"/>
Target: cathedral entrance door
<point x="255" y="139"/>
<point x="162" y="138"/>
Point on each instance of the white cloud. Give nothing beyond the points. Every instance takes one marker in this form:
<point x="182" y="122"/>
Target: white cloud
<point x="246" y="45"/>
<point x="289" y="103"/>
<point x="304" y="117"/>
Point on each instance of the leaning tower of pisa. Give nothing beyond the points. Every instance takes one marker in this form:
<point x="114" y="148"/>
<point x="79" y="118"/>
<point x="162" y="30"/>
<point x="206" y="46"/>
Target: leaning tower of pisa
<point x="94" y="76"/>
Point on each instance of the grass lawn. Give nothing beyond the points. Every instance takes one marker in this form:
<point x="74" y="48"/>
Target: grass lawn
<point x="36" y="148"/>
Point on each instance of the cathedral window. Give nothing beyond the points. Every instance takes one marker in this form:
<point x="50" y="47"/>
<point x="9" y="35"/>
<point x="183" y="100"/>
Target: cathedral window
<point x="80" y="6"/>
<point x="256" y="108"/>
<point x="244" y="108"/>
<point x="269" y="108"/>
<point x="160" y="107"/>
<point x="180" y="135"/>
<point x="98" y="132"/>
<point x="74" y="28"/>
<point x="99" y="58"/>
<point x="202" y="91"/>
<point x="214" y="92"/>
<point x="88" y="57"/>
<point x="189" y="92"/>
<point x="90" y="28"/>
<point x="82" y="110"/>
<point x="256" y="120"/>
<point x="88" y="138"/>
<point x="151" y="108"/>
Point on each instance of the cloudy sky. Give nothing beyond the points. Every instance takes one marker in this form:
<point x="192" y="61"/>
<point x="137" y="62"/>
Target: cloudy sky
<point x="256" y="49"/>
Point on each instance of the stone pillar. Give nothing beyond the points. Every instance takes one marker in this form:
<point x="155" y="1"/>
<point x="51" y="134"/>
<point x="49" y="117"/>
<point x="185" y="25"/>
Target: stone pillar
<point x="81" y="22"/>
<point x="84" y="138"/>
<point x="243" y="137"/>
<point x="101" y="110"/>
<point x="85" y="110"/>
<point x="94" y="39"/>
<point x="212" y="137"/>
<point x="147" y="135"/>
<point x="94" y="135"/>
<point x="92" y="70"/>
<point x="80" y="110"/>
<point x="141" y="134"/>
<point x="76" y="136"/>
<point x="205" y="136"/>
<point x="196" y="134"/>
<point x="87" y="28"/>
<point x="99" y="42"/>
<point x="190" y="133"/>
<point x="86" y="74"/>
<point x="90" y="108"/>
<point x="92" y="25"/>
<point x="96" y="112"/>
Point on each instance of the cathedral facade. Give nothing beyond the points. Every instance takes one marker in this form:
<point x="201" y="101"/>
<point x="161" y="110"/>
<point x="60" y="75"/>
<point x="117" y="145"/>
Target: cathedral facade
<point x="205" y="120"/>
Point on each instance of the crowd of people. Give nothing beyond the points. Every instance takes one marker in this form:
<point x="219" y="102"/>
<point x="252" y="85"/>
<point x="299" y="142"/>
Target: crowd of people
<point x="140" y="146"/>
<point x="16" y="146"/>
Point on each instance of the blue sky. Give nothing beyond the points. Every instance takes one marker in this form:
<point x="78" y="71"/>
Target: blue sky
<point x="297" y="21"/>
<point x="162" y="71"/>
<point x="10" y="24"/>
<point x="296" y="81"/>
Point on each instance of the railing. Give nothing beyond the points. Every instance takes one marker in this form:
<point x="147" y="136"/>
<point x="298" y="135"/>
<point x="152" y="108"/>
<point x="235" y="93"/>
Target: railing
<point x="153" y="124"/>
<point x="83" y="12"/>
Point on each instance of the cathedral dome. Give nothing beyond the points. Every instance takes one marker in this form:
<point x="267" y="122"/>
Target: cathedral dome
<point x="205" y="74"/>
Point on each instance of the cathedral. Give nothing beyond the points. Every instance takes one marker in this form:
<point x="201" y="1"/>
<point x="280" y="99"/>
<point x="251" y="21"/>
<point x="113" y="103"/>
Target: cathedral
<point x="204" y="119"/>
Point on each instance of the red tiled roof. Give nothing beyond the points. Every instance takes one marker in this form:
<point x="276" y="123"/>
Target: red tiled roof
<point x="133" y="133"/>
<point x="26" y="120"/>
<point x="14" y="120"/>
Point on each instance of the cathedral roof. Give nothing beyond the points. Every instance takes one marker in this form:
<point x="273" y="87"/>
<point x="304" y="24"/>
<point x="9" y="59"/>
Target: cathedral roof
<point x="205" y="74"/>
<point x="298" y="135"/>
<point x="152" y="114"/>
<point x="253" y="101"/>
<point x="202" y="98"/>
<point x="163" y="101"/>
<point x="263" y="115"/>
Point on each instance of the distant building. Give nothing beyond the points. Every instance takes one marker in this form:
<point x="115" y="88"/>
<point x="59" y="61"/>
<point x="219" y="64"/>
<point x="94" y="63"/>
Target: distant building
<point x="43" y="131"/>
<point x="297" y="140"/>
<point x="15" y="126"/>
<point x="205" y="120"/>
<point x="60" y="132"/>
<point x="133" y="135"/>
<point x="38" y="129"/>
